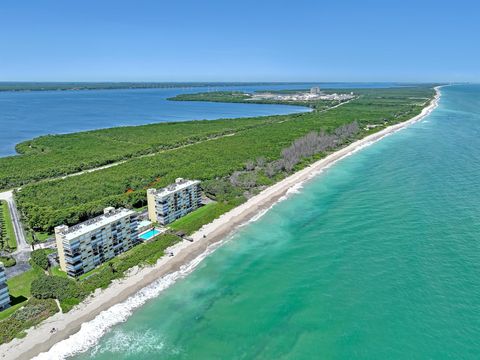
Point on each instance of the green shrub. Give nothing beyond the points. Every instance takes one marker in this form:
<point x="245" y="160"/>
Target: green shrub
<point x="31" y="314"/>
<point x="55" y="287"/>
<point x="76" y="198"/>
<point x="40" y="258"/>
<point x="70" y="292"/>
<point x="8" y="261"/>
<point x="68" y="304"/>
<point x="204" y="215"/>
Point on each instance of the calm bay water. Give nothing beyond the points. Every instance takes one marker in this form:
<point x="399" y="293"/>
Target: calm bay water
<point x="376" y="258"/>
<point x="25" y="115"/>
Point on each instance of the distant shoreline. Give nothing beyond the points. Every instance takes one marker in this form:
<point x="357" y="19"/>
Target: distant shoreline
<point x="79" y="86"/>
<point x="40" y="340"/>
<point x="109" y="120"/>
<point x="28" y="86"/>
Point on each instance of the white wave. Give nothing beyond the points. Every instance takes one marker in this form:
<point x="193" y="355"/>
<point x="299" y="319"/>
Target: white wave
<point x="90" y="332"/>
<point x="131" y="343"/>
<point x="256" y="217"/>
<point x="295" y="189"/>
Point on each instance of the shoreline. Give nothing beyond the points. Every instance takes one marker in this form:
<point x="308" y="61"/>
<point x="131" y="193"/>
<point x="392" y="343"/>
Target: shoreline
<point x="126" y="85"/>
<point x="301" y="109"/>
<point x="185" y="252"/>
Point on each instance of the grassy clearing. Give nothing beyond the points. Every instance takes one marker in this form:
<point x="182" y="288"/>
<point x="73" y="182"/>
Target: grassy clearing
<point x="39" y="236"/>
<point x="6" y="313"/>
<point x="43" y="236"/>
<point x="195" y="220"/>
<point x="56" y="271"/>
<point x="97" y="270"/>
<point x="19" y="286"/>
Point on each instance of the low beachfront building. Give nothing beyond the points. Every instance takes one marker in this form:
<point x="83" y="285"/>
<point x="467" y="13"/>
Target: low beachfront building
<point x="144" y="225"/>
<point x="171" y="203"/>
<point x="84" y="246"/>
<point x="4" y="294"/>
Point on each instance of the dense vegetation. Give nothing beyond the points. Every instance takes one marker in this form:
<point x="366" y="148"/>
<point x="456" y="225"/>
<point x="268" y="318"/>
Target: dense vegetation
<point x="49" y="86"/>
<point x="8" y="240"/>
<point x="54" y="287"/>
<point x="34" y="312"/>
<point x="259" y="152"/>
<point x="217" y="96"/>
<point x="242" y="97"/>
<point x="74" y="199"/>
<point x="19" y="289"/>
<point x="70" y="292"/>
<point x="40" y="258"/>
<point x="8" y="261"/>
<point x="56" y="155"/>
<point x="195" y="220"/>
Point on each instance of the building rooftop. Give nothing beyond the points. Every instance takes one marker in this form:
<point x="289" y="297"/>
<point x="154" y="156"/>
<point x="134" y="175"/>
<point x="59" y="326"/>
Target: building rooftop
<point x="179" y="184"/>
<point x="144" y="223"/>
<point x="110" y="215"/>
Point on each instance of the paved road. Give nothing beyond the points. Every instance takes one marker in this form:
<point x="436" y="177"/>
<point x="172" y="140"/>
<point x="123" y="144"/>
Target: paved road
<point x="17" y="225"/>
<point x="22" y="265"/>
<point x="22" y="254"/>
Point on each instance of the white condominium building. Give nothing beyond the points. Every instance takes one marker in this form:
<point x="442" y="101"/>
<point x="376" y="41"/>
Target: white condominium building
<point x="83" y="247"/>
<point x="176" y="200"/>
<point x="4" y="295"/>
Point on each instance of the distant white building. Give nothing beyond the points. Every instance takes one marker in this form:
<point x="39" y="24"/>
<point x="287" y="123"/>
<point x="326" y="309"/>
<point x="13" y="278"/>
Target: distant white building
<point x="314" y="94"/>
<point x="176" y="200"/>
<point x="4" y="295"/>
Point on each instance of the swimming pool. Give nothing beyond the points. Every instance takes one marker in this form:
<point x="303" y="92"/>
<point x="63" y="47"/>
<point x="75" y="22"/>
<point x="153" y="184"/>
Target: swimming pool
<point x="147" y="235"/>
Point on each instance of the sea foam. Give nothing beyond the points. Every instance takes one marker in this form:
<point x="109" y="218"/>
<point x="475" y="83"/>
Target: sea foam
<point x="91" y="331"/>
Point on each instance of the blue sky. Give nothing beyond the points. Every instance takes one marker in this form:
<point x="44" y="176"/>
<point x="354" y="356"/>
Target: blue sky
<point x="213" y="40"/>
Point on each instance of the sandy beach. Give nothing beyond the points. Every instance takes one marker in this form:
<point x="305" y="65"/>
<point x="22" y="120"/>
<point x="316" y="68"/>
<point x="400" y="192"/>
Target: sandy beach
<point x="40" y="339"/>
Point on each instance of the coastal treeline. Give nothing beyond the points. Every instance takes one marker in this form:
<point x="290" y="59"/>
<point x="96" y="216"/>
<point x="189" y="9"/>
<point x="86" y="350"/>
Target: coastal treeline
<point x="47" y="204"/>
<point x="61" y="86"/>
<point x="242" y="97"/>
<point x="316" y="142"/>
<point x="58" y="155"/>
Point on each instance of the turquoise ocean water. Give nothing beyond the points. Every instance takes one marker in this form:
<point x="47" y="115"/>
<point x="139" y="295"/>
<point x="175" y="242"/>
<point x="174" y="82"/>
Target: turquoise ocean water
<point x="378" y="257"/>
